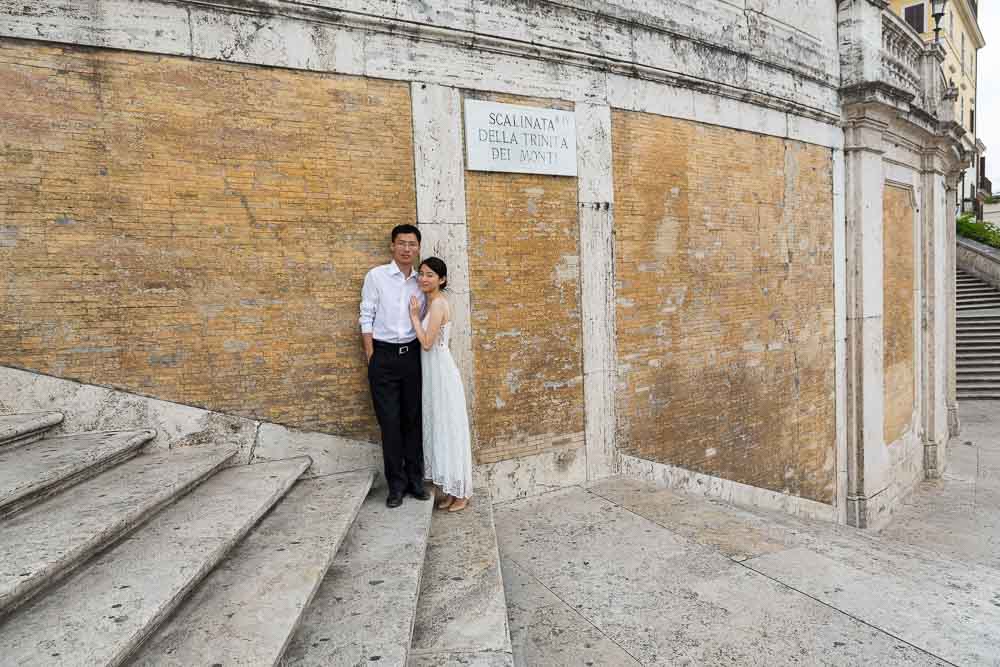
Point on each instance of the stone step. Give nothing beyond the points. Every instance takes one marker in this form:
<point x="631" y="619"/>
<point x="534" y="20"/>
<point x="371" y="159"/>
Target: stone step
<point x="975" y="335"/>
<point x="462" y="612"/>
<point x="978" y="301"/>
<point x="104" y="611"/>
<point x="963" y="293"/>
<point x="978" y="394"/>
<point x="973" y="382"/>
<point x="986" y="365"/>
<point x="50" y="539"/>
<point x="973" y="327"/>
<point x="24" y="428"/>
<point x="967" y="358"/>
<point x="245" y="612"/>
<point x="977" y="390"/>
<point x="33" y="472"/>
<point x="977" y="332"/>
<point x="363" y="612"/>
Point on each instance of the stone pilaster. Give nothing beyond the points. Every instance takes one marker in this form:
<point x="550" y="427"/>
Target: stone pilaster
<point x="840" y="288"/>
<point x="597" y="289"/>
<point x="441" y="211"/>
<point x="937" y="284"/>
<point x="868" y="460"/>
<point x="951" y="192"/>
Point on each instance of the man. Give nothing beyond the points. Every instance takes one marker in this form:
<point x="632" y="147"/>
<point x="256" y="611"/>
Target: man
<point x="393" y="355"/>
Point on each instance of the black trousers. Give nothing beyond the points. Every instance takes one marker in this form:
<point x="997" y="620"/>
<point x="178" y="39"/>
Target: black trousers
<point x="395" y="383"/>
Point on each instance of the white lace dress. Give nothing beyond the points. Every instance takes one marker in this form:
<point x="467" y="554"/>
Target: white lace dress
<point x="447" y="449"/>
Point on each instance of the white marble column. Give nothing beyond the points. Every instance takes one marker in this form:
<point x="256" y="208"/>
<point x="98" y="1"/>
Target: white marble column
<point x="597" y="284"/>
<point x="934" y="221"/>
<point x="441" y="212"/>
<point x="840" y="328"/>
<point x="868" y="459"/>
<point x="950" y="211"/>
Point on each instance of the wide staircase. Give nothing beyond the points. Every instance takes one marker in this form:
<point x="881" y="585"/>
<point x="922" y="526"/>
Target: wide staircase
<point x="978" y="338"/>
<point x="112" y="554"/>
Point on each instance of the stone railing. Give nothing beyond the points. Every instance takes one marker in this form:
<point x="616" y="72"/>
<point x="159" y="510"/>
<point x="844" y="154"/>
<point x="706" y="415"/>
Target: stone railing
<point x="978" y="259"/>
<point x="883" y="59"/>
<point x="903" y="53"/>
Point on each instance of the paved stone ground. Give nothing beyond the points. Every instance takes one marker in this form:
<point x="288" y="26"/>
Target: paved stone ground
<point x="626" y="573"/>
<point x="960" y="514"/>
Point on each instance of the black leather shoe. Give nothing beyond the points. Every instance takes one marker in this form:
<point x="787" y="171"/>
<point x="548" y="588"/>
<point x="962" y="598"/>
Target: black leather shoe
<point x="394" y="500"/>
<point x="419" y="492"/>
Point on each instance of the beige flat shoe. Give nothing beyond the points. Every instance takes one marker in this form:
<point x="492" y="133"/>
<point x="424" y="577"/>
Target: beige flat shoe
<point x="446" y="503"/>
<point x="459" y="505"/>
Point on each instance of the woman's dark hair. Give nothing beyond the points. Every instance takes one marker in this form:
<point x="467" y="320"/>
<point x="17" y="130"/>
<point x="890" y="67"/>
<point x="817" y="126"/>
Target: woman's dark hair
<point x="439" y="267"/>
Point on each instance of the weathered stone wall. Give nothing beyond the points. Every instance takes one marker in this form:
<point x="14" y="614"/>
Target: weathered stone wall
<point x="725" y="337"/>
<point x="208" y="224"/>
<point x="899" y="282"/>
<point x="764" y="52"/>
<point x="526" y="330"/>
<point x="197" y="231"/>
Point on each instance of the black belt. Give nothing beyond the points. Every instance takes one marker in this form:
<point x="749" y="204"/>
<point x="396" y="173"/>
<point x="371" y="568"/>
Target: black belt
<point x="398" y="348"/>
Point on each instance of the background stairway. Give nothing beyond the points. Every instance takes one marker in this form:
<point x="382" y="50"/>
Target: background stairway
<point x="978" y="338"/>
<point x="111" y="555"/>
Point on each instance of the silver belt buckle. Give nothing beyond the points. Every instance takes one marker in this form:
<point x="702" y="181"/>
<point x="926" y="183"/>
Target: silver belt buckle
<point x="404" y="349"/>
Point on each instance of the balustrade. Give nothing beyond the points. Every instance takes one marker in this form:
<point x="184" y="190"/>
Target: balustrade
<point x="903" y="52"/>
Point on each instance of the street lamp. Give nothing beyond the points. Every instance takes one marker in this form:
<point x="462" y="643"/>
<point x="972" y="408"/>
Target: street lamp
<point x="937" y="11"/>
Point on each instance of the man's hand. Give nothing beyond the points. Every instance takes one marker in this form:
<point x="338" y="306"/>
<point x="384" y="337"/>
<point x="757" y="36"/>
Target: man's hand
<point x="367" y="346"/>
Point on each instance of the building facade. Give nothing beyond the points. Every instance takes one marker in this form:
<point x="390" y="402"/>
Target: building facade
<point x="961" y="38"/>
<point x="739" y="282"/>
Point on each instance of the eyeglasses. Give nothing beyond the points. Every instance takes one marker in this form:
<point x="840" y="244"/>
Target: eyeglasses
<point x="407" y="244"/>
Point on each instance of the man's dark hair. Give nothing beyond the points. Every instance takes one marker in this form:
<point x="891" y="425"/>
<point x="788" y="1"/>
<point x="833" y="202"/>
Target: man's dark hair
<point x="405" y="229"/>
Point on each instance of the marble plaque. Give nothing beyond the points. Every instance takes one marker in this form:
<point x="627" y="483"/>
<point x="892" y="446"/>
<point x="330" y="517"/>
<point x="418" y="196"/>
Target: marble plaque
<point x="514" y="138"/>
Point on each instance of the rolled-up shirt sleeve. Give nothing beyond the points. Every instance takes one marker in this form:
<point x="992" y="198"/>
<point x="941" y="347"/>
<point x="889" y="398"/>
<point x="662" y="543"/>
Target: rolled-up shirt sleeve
<point x="369" y="304"/>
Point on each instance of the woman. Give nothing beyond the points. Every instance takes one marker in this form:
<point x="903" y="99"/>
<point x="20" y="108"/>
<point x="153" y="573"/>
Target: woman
<point x="447" y="451"/>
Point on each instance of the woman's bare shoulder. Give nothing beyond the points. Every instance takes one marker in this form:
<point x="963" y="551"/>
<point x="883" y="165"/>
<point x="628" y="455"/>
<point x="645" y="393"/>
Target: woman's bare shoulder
<point x="442" y="306"/>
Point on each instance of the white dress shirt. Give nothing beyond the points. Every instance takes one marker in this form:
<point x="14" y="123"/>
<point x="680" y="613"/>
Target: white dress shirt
<point x="385" y="304"/>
